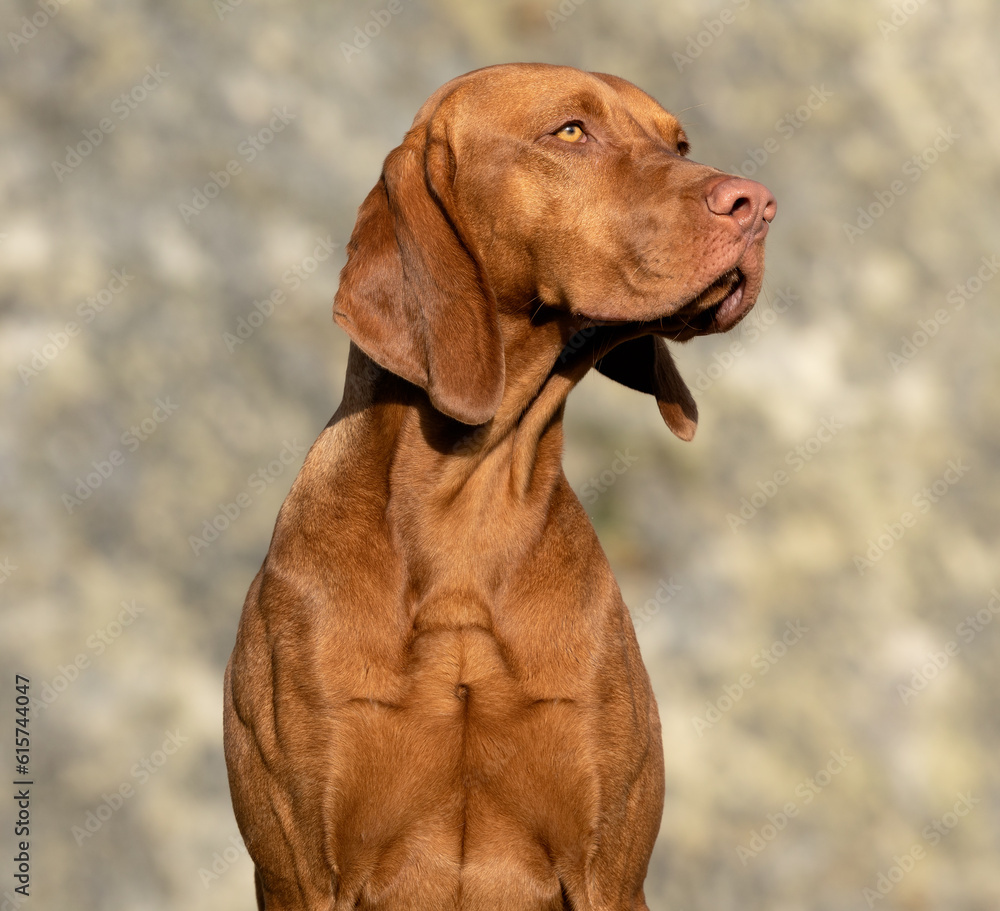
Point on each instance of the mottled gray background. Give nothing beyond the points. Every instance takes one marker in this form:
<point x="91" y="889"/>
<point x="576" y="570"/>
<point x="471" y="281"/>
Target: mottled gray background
<point x="884" y="332"/>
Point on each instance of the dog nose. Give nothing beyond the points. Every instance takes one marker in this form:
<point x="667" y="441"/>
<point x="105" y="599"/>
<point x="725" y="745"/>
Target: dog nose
<point x="750" y="203"/>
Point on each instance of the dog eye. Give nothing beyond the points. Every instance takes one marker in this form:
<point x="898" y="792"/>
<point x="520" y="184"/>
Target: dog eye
<point x="571" y="132"/>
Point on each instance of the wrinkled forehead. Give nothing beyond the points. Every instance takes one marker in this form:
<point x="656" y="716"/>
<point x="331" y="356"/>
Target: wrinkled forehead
<point x="527" y="100"/>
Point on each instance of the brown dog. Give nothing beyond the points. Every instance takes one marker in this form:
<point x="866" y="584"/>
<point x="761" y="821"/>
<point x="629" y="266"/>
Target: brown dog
<point x="436" y="699"/>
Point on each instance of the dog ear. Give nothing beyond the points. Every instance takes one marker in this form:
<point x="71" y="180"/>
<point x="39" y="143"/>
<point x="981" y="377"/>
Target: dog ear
<point x="645" y="364"/>
<point x="412" y="295"/>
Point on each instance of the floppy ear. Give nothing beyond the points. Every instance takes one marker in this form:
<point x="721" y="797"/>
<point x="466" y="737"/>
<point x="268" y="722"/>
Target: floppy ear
<point x="645" y="364"/>
<point x="412" y="296"/>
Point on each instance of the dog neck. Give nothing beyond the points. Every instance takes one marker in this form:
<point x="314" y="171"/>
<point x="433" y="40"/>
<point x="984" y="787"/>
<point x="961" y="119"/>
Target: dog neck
<point x="541" y="370"/>
<point x="415" y="484"/>
<point x="442" y="477"/>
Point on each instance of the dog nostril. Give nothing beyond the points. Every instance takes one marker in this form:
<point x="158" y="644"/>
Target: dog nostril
<point x="742" y="207"/>
<point x="770" y="208"/>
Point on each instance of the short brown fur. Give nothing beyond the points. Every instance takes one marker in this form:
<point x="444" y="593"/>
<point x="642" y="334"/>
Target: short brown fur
<point x="436" y="699"/>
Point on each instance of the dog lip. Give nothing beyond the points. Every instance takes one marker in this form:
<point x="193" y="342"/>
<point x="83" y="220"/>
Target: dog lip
<point x="730" y="309"/>
<point x="721" y="315"/>
<point x="693" y="318"/>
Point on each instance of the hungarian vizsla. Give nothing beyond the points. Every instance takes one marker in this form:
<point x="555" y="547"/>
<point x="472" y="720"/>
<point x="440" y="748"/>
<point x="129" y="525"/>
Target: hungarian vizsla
<point x="436" y="699"/>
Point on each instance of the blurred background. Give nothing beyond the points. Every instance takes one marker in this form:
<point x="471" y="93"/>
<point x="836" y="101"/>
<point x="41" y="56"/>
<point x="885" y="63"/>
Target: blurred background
<point x="814" y="579"/>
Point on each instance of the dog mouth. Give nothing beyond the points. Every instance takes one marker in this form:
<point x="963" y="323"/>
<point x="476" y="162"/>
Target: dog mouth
<point x="716" y="309"/>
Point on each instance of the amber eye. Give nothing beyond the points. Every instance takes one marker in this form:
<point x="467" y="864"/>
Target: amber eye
<point x="571" y="132"/>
